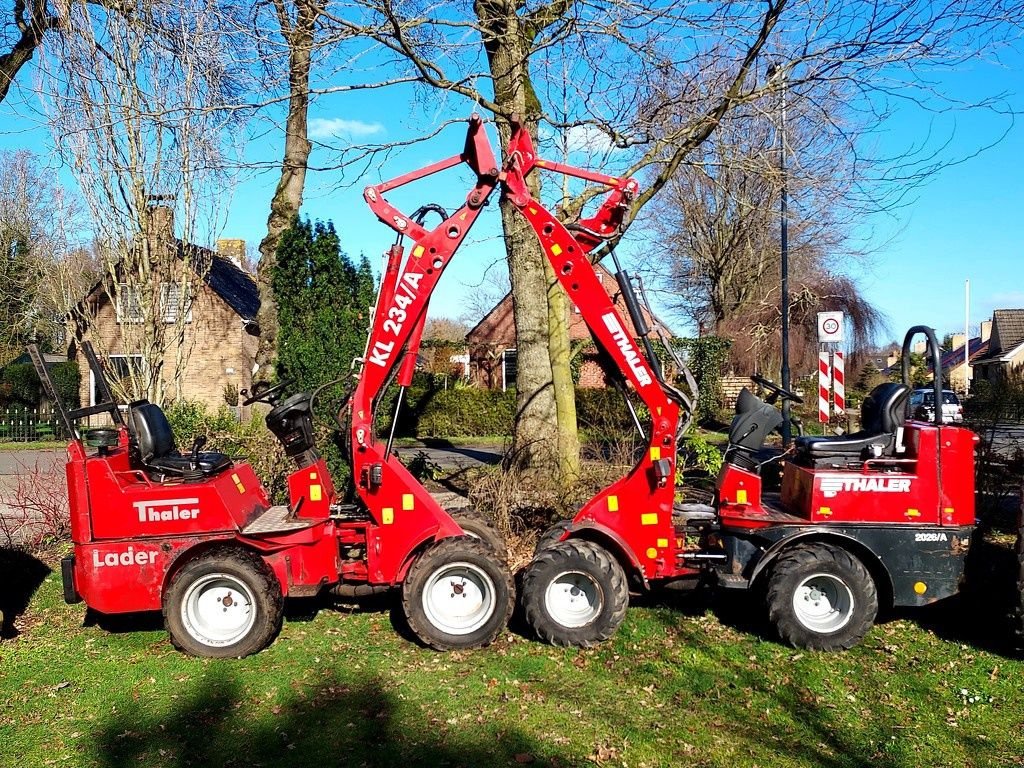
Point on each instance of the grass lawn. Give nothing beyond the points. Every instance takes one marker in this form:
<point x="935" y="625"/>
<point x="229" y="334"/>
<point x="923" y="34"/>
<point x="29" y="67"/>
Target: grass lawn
<point x="34" y="445"/>
<point x="678" y="686"/>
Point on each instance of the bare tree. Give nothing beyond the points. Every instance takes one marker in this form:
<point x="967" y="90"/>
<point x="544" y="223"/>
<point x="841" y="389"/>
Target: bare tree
<point x="649" y="83"/>
<point x="138" y="120"/>
<point x="41" y="264"/>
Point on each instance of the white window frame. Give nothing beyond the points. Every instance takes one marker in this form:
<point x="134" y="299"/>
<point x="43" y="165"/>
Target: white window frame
<point x="504" y="377"/>
<point x="125" y="291"/>
<point x="169" y="307"/>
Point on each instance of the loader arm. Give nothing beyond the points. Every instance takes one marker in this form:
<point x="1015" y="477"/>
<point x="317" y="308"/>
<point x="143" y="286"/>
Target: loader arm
<point x="403" y="513"/>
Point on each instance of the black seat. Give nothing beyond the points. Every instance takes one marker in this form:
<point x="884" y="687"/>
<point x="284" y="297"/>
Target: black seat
<point x="753" y="422"/>
<point x="154" y="443"/>
<point x="882" y="415"/>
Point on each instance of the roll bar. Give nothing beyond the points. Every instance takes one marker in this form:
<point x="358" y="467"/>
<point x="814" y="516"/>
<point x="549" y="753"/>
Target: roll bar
<point x="68" y="417"/>
<point x="933" y="348"/>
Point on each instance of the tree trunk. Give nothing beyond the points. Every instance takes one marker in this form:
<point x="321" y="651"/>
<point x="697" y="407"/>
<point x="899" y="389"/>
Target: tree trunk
<point x="287" y="200"/>
<point x="560" y="353"/>
<point x="544" y="439"/>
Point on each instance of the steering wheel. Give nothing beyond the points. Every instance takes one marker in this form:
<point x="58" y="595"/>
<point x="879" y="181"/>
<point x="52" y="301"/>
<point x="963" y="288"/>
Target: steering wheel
<point x="775" y="389"/>
<point x="263" y="391"/>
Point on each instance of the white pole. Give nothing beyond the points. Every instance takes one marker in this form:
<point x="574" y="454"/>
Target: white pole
<point x="967" y="337"/>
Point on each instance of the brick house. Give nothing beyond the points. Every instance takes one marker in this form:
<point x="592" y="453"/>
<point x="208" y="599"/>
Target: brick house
<point x="220" y="331"/>
<point x="492" y="341"/>
<point x="1006" y="346"/>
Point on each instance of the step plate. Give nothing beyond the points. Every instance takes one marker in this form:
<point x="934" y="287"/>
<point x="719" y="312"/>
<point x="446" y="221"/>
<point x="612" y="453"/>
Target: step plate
<point x="277" y="520"/>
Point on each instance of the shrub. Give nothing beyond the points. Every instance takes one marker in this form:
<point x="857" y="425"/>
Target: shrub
<point x="251" y="441"/>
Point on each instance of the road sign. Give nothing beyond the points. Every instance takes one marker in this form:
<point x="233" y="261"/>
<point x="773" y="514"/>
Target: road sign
<point x="830" y="327"/>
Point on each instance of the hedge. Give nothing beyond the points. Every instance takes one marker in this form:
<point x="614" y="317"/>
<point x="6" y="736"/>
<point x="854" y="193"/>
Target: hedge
<point x="20" y="384"/>
<point x="429" y="411"/>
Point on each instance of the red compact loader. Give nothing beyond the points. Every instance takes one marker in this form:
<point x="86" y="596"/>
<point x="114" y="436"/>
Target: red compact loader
<point x="195" y="535"/>
<point x="881" y="517"/>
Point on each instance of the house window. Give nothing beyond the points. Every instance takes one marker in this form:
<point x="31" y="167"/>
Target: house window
<point x="509" y="366"/>
<point x="120" y="368"/>
<point x="129" y="304"/>
<point x="170" y="300"/>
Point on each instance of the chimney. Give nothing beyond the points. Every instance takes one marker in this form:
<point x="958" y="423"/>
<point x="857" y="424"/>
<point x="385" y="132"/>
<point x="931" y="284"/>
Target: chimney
<point x="920" y="347"/>
<point x="957" y="341"/>
<point x="160" y="217"/>
<point x="986" y="330"/>
<point x="232" y="249"/>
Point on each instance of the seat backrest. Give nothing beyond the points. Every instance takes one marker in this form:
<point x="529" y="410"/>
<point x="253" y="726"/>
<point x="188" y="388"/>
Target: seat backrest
<point x="885" y="408"/>
<point x="753" y="421"/>
<point x="150" y="429"/>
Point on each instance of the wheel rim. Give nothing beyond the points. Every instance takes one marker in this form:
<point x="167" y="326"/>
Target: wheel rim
<point x="823" y="603"/>
<point x="574" y="598"/>
<point x="218" y="609"/>
<point x="459" y="598"/>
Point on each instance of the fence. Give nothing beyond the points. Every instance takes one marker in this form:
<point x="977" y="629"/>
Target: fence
<point x="25" y="424"/>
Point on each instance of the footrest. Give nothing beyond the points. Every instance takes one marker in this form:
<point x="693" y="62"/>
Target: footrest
<point x="277" y="520"/>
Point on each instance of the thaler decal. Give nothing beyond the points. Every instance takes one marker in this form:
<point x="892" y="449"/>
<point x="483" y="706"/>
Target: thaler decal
<point x="167" y="510"/>
<point x="625" y="345"/>
<point x="832" y="485"/>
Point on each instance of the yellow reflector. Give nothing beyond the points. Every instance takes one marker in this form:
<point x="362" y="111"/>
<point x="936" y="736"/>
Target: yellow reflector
<point x="913" y="513"/>
<point x="541" y="163"/>
<point x="312" y="475"/>
<point x="235" y="478"/>
<point x="314" y="492"/>
<point x="920" y="587"/>
<point x="655" y="453"/>
<point x="240" y="487"/>
<point x="556" y="249"/>
<point x="408" y="501"/>
<point x="417" y="251"/>
<point x="948" y="510"/>
<point x="825" y="511"/>
<point x="662" y="542"/>
<point x="533" y="211"/>
<point x="388" y="515"/>
<point x="652" y="553"/>
<point x="613" y="503"/>
<point x="649" y="518"/>
<point x="741" y="496"/>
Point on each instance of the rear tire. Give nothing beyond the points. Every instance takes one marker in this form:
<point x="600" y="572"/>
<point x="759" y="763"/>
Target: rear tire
<point x="458" y="594"/>
<point x="575" y="594"/>
<point x="822" y="598"/>
<point x="224" y="604"/>
<point x="476" y="525"/>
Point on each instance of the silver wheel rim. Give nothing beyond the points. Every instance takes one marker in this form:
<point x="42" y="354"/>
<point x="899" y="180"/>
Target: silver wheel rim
<point x="823" y="603"/>
<point x="218" y="609"/>
<point x="574" y="598"/>
<point x="458" y="598"/>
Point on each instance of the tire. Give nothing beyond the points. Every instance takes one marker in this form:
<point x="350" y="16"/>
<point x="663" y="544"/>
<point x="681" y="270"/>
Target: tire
<point x="253" y="613"/>
<point x="822" y="598"/>
<point x="575" y="594"/>
<point x="458" y="594"/>
<point x="476" y="525"/>
<point x="551" y="536"/>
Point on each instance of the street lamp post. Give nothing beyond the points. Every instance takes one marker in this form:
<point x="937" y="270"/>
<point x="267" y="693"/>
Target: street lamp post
<point x="784" y="244"/>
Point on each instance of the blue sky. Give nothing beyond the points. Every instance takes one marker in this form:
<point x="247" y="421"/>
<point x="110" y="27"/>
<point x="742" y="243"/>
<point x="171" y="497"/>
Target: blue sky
<point x="965" y="222"/>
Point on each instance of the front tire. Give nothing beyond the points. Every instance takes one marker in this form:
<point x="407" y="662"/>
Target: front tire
<point x="575" y="594"/>
<point x="476" y="525"/>
<point x="458" y="594"/>
<point x="223" y="604"/>
<point x="821" y="597"/>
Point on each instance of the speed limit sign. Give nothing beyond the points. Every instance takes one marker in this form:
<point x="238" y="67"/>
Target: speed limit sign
<point x="830" y="327"/>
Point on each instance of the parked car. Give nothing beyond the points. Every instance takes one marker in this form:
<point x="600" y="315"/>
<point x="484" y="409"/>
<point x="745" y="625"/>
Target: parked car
<point x="922" y="406"/>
